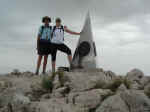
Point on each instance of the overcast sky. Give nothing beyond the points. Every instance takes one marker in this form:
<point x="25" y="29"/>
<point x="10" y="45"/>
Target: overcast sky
<point x="120" y="29"/>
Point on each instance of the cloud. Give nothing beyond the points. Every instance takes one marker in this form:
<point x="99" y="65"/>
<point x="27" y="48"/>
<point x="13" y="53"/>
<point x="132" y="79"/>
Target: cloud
<point x="120" y="27"/>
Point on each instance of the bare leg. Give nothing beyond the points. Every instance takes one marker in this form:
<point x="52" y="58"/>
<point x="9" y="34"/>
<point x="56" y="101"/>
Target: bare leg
<point x="70" y="59"/>
<point x="45" y="63"/>
<point x="53" y="66"/>
<point x="38" y="64"/>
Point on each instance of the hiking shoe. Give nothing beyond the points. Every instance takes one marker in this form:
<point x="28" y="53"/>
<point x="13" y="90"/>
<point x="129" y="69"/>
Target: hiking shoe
<point x="43" y="73"/>
<point x="37" y="73"/>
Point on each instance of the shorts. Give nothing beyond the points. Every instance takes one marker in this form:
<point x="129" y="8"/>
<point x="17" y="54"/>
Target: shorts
<point x="61" y="47"/>
<point x="44" y="47"/>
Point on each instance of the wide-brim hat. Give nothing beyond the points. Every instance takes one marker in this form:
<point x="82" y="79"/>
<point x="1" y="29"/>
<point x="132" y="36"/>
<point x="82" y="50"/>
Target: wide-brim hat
<point x="46" y="18"/>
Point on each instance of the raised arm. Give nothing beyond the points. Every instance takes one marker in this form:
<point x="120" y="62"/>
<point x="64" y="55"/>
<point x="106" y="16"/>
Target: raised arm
<point x="70" y="32"/>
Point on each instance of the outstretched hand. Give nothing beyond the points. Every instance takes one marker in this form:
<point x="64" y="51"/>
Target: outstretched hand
<point x="71" y="32"/>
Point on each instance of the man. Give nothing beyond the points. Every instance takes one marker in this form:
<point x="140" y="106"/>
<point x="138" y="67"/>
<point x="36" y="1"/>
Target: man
<point x="43" y="42"/>
<point x="58" y="42"/>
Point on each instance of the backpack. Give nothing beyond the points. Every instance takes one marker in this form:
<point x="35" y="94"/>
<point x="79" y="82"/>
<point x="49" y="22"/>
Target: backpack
<point x="62" y="28"/>
<point x="44" y="27"/>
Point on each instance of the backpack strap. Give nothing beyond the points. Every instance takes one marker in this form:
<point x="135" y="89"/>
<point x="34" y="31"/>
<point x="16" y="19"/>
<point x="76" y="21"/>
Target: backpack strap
<point x="54" y="28"/>
<point x="50" y="27"/>
<point x="42" y="29"/>
<point x="62" y="27"/>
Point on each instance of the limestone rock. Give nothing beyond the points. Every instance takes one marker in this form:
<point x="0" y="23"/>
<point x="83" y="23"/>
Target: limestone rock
<point x="145" y="80"/>
<point x="147" y="90"/>
<point x="113" y="104"/>
<point x="89" y="99"/>
<point x="60" y="92"/>
<point x="83" y="91"/>
<point x="80" y="81"/>
<point x="12" y="101"/>
<point x="122" y="88"/>
<point x="135" y="76"/>
<point x="52" y="105"/>
<point x="136" y="101"/>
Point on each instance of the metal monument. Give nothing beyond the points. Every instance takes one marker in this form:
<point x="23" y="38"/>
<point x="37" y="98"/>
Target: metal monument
<point x="85" y="53"/>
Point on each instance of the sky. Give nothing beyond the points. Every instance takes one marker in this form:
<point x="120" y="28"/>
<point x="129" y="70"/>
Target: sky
<point x="120" y="30"/>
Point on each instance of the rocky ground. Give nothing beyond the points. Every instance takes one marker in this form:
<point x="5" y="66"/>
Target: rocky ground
<point x="76" y="91"/>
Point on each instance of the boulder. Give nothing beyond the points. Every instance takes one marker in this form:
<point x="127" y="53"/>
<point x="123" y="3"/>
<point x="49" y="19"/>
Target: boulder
<point x="89" y="99"/>
<point x="136" y="101"/>
<point x="12" y="101"/>
<point x="81" y="81"/>
<point x="135" y="77"/>
<point x="145" y="80"/>
<point x="122" y="88"/>
<point x="51" y="105"/>
<point x="147" y="90"/>
<point x="113" y="104"/>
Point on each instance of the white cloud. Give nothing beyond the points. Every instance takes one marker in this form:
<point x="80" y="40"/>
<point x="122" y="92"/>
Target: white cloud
<point x="121" y="31"/>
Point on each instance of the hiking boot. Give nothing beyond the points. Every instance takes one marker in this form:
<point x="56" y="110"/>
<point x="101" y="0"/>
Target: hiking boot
<point x="43" y="73"/>
<point x="37" y="73"/>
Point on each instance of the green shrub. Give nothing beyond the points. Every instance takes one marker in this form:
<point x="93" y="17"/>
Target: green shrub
<point x="61" y="77"/>
<point x="47" y="84"/>
<point x="114" y="85"/>
<point x="100" y="84"/>
<point x="127" y="83"/>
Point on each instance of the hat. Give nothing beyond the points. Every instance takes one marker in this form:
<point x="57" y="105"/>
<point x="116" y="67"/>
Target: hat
<point x="46" y="18"/>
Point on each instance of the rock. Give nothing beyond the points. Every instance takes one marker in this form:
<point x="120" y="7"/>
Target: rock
<point x="20" y="99"/>
<point x="16" y="72"/>
<point x="89" y="99"/>
<point x="81" y="81"/>
<point x="135" y="76"/>
<point x="45" y="96"/>
<point x="52" y="105"/>
<point x="113" y="104"/>
<point x="83" y="91"/>
<point x="147" y="90"/>
<point x="27" y="74"/>
<point x="12" y="101"/>
<point x="136" y="101"/>
<point x="4" y="84"/>
<point x="6" y="96"/>
<point x="60" y="92"/>
<point x="122" y="88"/>
<point x="145" y="80"/>
<point x="37" y="91"/>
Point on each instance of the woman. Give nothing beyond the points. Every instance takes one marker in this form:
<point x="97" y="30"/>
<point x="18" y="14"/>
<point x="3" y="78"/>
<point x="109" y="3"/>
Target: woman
<point x="58" y="42"/>
<point x="43" y="42"/>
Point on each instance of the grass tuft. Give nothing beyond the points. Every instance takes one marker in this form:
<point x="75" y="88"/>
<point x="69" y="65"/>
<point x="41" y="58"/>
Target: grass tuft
<point x="47" y="83"/>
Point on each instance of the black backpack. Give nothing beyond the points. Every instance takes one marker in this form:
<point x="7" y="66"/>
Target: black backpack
<point x="62" y="28"/>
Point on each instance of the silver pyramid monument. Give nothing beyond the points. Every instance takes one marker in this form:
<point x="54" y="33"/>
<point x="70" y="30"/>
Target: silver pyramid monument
<point x="85" y="53"/>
